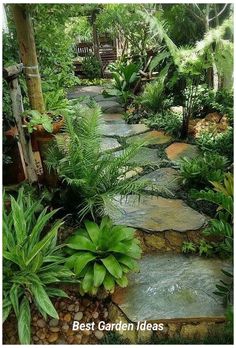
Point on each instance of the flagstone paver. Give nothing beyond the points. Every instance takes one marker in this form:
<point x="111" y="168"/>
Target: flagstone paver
<point x="123" y="130"/>
<point x="143" y="157"/>
<point x="176" y="151"/>
<point x="153" y="138"/>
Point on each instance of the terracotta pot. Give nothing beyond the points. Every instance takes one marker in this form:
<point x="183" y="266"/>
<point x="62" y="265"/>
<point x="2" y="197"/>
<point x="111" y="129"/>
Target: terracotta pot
<point x="41" y="132"/>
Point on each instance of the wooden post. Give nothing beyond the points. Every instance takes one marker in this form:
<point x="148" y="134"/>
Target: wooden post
<point x="25" y="149"/>
<point x="27" y="48"/>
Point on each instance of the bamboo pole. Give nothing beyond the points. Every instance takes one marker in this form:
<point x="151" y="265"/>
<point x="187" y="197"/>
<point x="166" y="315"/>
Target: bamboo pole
<point x="28" y="54"/>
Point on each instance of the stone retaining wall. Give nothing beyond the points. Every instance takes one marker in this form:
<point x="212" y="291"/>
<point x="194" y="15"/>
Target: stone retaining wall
<point x="167" y="240"/>
<point x="189" y="329"/>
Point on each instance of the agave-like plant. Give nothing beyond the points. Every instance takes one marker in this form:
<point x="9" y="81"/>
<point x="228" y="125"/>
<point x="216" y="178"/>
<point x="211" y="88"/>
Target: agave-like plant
<point x="94" y="176"/>
<point x="32" y="262"/>
<point x="101" y="256"/>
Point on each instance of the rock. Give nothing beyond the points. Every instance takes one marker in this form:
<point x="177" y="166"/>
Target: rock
<point x="155" y="241"/>
<point x="71" y="308"/>
<point x="77" y="308"/>
<point x="123" y="130"/>
<point x="113" y="118"/>
<point x="172" y="286"/>
<point x="110" y="144"/>
<point x="78" y="339"/>
<point x="173" y="330"/>
<point x="110" y="106"/>
<point x="176" y="151"/>
<point x="132" y="173"/>
<point x="41" y="323"/>
<point x="105" y="314"/>
<point x="54" y="329"/>
<point x="175" y="239"/>
<point x="177" y="109"/>
<point x="40" y="334"/>
<point x="199" y="331"/>
<point x="156" y="214"/>
<point x="35" y="338"/>
<point x="65" y="327"/>
<point x="95" y="315"/>
<point x="98" y="334"/>
<point x="85" y="91"/>
<point x="86" y="302"/>
<point x="153" y="138"/>
<point x="143" y="157"/>
<point x="67" y="317"/>
<point x="165" y="180"/>
<point x="53" y="337"/>
<point x="53" y="322"/>
<point x="78" y="316"/>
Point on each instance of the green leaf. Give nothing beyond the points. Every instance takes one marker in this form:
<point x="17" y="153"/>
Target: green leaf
<point x="56" y="293"/>
<point x="24" y="322"/>
<point x="129" y="262"/>
<point x="80" y="243"/>
<point x="14" y="296"/>
<point x="18" y="220"/>
<point x="5" y="312"/>
<point x="43" y="300"/>
<point x="109" y="283"/>
<point x="87" y="283"/>
<point x="99" y="274"/>
<point x="81" y="261"/>
<point x="93" y="230"/>
<point x="113" y="266"/>
<point x="122" y="282"/>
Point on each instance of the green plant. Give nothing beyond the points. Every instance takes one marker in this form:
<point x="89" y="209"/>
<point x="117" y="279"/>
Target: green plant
<point x="55" y="101"/>
<point x="202" y="248"/>
<point x="32" y="262"/>
<point x="35" y="118"/>
<point x="91" y="67"/>
<point x="153" y="94"/>
<point x="91" y="176"/>
<point x="124" y="76"/>
<point x="221" y="143"/>
<point x="197" y="172"/>
<point x="189" y="247"/>
<point x="225" y="290"/>
<point x="101" y="256"/>
<point x="169" y="121"/>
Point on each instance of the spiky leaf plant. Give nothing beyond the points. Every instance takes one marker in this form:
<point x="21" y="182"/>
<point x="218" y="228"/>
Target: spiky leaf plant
<point x="32" y="263"/>
<point x="94" y="176"/>
<point x="101" y="256"/>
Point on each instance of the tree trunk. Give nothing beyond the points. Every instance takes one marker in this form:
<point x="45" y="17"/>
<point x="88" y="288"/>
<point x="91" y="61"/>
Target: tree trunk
<point x="27" y="48"/>
<point x="96" y="42"/>
<point x="185" y="124"/>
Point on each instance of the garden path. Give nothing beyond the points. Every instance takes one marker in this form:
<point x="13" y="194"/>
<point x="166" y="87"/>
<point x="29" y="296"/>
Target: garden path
<point x="170" y="285"/>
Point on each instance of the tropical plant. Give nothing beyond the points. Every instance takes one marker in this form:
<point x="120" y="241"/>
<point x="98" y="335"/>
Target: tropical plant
<point x="153" y="94"/>
<point x="197" y="172"/>
<point x="91" y="176"/>
<point x="225" y="289"/>
<point x="91" y="67"/>
<point x="169" y="121"/>
<point x="32" y="262"/>
<point x="221" y="143"/>
<point x="56" y="101"/>
<point x="124" y="76"/>
<point x="202" y="248"/>
<point x="101" y="256"/>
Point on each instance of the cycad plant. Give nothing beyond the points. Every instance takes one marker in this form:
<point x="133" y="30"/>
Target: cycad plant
<point x="32" y="263"/>
<point x="101" y="256"/>
<point x="91" y="175"/>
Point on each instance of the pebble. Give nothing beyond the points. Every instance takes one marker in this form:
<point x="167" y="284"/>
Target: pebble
<point x="67" y="317"/>
<point x="53" y="322"/>
<point x="54" y="329"/>
<point x="78" y="316"/>
<point x="95" y="315"/>
<point x="105" y="315"/>
<point x="41" y="323"/>
<point x="70" y="339"/>
<point x="77" y="308"/>
<point x="65" y="327"/>
<point x="98" y="334"/>
<point x="77" y="339"/>
<point x="71" y="308"/>
<point x="53" y="337"/>
<point x="41" y="334"/>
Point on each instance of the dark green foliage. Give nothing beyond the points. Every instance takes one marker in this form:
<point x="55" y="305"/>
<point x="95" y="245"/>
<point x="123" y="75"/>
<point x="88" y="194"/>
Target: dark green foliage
<point x="92" y="177"/>
<point x="225" y="289"/>
<point x="221" y="143"/>
<point x="197" y="172"/>
<point x="91" y="67"/>
<point x="101" y="256"/>
<point x="202" y="248"/>
<point x="168" y="121"/>
<point x="32" y="262"/>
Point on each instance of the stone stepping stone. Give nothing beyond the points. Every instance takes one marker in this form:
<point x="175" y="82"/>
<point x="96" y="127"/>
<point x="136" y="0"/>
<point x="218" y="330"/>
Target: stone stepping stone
<point x="167" y="180"/>
<point x="176" y="151"/>
<point x="110" y="144"/>
<point x="85" y="91"/>
<point x="156" y="214"/>
<point x="110" y="106"/>
<point x="172" y="286"/>
<point x="123" y="130"/>
<point x="144" y="157"/>
<point x="153" y="137"/>
<point x="113" y="118"/>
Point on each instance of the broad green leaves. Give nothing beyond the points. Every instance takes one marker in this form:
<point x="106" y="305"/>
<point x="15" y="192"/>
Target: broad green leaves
<point x="24" y="322"/>
<point x="102" y="255"/>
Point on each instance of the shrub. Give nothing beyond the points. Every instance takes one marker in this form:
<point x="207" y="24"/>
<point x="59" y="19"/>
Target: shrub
<point x="169" y="121"/>
<point x="32" y="263"/>
<point x="91" y="176"/>
<point x="91" y="67"/>
<point x="222" y="143"/>
<point x="103" y="255"/>
<point x="199" y="171"/>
